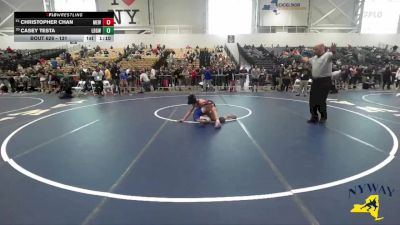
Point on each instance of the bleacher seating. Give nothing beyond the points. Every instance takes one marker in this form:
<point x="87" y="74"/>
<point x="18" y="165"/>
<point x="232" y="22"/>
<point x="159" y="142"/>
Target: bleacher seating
<point x="26" y="57"/>
<point x="258" y="56"/>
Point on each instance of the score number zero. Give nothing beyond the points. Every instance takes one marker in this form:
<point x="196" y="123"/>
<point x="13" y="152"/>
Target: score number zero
<point x="108" y="25"/>
<point x="108" y="21"/>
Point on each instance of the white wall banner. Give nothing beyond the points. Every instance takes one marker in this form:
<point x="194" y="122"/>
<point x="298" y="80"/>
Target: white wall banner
<point x="128" y="13"/>
<point x="283" y="12"/>
<point x="381" y="16"/>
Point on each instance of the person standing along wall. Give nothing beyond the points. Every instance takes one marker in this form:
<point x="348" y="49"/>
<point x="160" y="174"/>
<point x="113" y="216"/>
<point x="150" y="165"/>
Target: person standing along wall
<point x="397" y="78"/>
<point x="207" y="80"/>
<point x="304" y="77"/>
<point x="144" y="82"/>
<point x="386" y="77"/>
<point x="153" y="79"/>
<point x="98" y="79"/>
<point x="115" y="71"/>
<point x="255" y="76"/>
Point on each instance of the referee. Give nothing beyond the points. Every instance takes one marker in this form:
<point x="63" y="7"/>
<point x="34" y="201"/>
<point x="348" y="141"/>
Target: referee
<point x="321" y="76"/>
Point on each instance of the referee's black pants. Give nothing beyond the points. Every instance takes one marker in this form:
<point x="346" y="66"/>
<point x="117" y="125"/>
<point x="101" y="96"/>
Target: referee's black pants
<point x="320" y="88"/>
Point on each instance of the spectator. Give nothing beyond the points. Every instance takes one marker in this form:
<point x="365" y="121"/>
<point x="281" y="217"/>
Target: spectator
<point x="9" y="50"/>
<point x="123" y="84"/>
<point x="43" y="82"/>
<point x="242" y="77"/>
<point x="207" y="80"/>
<point x="386" y="75"/>
<point x="153" y="79"/>
<point x="144" y="81"/>
<point x="54" y="63"/>
<point x="193" y="76"/>
<point x="115" y="79"/>
<point x="255" y="75"/>
<point x="186" y="76"/>
<point x="98" y="79"/>
<point x="286" y="78"/>
<point x="304" y="77"/>
<point x="354" y="77"/>
<point x="108" y="76"/>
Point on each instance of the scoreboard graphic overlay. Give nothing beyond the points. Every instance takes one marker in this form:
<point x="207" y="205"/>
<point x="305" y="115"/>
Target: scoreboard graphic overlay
<point x="64" y="26"/>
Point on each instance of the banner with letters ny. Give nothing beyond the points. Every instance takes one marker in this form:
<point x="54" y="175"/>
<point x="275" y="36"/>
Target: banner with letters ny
<point x="128" y="13"/>
<point x="284" y="12"/>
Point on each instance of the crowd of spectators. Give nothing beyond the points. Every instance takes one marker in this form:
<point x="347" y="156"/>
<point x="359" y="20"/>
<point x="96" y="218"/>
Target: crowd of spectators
<point x="370" y="66"/>
<point x="140" y="50"/>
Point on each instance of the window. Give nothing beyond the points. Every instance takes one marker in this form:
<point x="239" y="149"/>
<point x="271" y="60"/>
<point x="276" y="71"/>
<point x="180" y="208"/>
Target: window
<point x="380" y="16"/>
<point x="74" y="5"/>
<point x="230" y="17"/>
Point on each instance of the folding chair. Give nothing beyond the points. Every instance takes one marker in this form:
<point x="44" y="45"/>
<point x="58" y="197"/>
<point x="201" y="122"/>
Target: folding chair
<point x="296" y="85"/>
<point x="93" y="87"/>
<point x="309" y="85"/>
<point x="107" y="88"/>
<point x="79" y="88"/>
